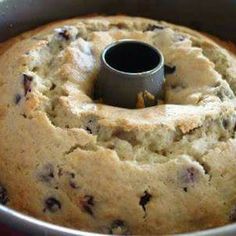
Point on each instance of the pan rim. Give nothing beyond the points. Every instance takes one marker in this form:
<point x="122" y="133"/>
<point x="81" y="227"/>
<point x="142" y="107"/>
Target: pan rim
<point x="39" y="225"/>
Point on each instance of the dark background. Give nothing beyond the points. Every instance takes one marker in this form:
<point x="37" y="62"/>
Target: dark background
<point x="213" y="16"/>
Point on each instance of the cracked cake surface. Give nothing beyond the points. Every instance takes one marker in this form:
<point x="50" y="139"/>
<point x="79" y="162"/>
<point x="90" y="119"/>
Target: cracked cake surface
<point x="73" y="161"/>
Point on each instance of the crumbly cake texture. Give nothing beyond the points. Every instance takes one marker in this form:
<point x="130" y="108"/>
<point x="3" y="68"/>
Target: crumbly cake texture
<point x="69" y="160"/>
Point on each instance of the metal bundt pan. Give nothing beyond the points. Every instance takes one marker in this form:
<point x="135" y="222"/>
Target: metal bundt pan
<point x="213" y="16"/>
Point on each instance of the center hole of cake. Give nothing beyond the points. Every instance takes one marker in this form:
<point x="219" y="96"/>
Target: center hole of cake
<point x="132" y="57"/>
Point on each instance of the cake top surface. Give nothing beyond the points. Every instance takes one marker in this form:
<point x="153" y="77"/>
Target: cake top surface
<point x="120" y="163"/>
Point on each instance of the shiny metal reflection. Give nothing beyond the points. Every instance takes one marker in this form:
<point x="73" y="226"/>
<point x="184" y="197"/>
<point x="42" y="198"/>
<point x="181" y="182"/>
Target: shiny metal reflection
<point x="130" y="69"/>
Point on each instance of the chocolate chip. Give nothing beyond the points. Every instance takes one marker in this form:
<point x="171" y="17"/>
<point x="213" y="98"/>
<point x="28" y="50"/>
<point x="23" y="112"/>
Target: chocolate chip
<point x="3" y="196"/>
<point x="151" y="27"/>
<point x="17" y="98"/>
<point x="24" y="115"/>
<point x="190" y="175"/>
<point x="118" y="227"/>
<point x="87" y="202"/>
<point x="232" y="216"/>
<point x="91" y="126"/>
<point x="27" y="81"/>
<point x="88" y="130"/>
<point x="145" y="199"/>
<point x="65" y="34"/>
<point x="73" y="185"/>
<point x="53" y="87"/>
<point x="169" y="69"/>
<point x="47" y="173"/>
<point x="72" y="182"/>
<point x="185" y="189"/>
<point x="52" y="205"/>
